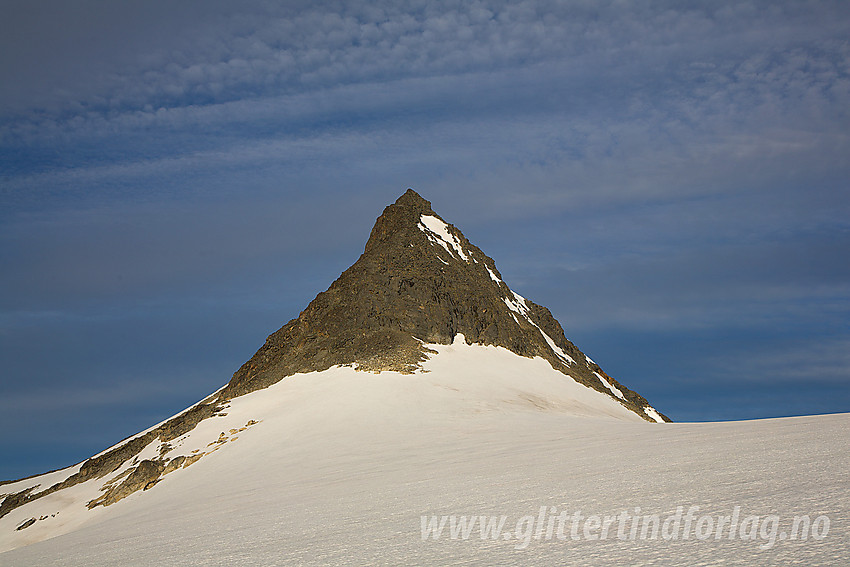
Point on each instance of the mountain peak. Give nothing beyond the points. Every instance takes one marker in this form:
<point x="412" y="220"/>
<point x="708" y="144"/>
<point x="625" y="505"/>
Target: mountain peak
<point x="400" y="217"/>
<point x="412" y="199"/>
<point x="418" y="281"/>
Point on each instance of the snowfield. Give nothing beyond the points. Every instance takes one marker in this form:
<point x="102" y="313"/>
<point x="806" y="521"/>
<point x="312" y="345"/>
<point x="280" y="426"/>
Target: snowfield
<point x="349" y="468"/>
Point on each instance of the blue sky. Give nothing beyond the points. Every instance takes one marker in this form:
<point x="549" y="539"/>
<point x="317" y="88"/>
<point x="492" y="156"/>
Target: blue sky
<point x="178" y="181"/>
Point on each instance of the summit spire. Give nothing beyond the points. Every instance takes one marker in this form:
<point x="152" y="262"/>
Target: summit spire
<point x="412" y="199"/>
<point x="418" y="281"/>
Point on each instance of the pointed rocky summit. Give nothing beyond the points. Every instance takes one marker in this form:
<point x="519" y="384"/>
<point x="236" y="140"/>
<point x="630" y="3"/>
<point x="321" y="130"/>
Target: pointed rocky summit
<point x="418" y="281"/>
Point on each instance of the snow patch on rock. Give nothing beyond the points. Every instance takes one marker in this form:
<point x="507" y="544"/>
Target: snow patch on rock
<point x="650" y="411"/>
<point x="438" y="232"/>
<point x="614" y="390"/>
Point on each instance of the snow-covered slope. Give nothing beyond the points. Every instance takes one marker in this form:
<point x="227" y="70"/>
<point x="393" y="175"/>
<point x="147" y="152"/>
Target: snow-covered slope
<point x="458" y="379"/>
<point x="338" y="467"/>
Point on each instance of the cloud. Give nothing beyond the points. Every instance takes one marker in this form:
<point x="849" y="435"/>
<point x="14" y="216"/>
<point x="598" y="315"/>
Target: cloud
<point x="609" y="82"/>
<point x="282" y="50"/>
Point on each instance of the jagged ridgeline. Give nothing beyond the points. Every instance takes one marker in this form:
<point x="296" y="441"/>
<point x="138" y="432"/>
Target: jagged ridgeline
<point x="418" y="281"/>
